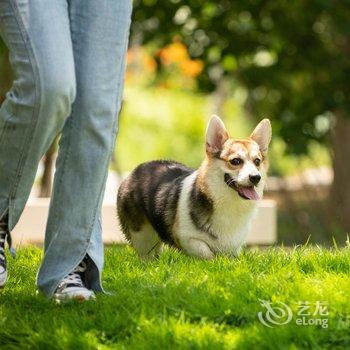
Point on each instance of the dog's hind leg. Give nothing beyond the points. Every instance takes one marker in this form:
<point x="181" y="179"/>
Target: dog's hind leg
<point x="146" y="242"/>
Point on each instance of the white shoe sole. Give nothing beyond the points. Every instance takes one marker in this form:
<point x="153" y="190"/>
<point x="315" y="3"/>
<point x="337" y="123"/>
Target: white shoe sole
<point x="80" y="297"/>
<point x="3" y="279"/>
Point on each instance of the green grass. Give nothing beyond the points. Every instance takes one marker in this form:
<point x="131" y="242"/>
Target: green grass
<point x="179" y="302"/>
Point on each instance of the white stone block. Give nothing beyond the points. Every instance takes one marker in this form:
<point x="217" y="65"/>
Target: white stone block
<point x="31" y="227"/>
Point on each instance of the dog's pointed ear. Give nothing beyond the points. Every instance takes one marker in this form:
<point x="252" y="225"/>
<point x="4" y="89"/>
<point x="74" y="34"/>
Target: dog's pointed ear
<point x="216" y="135"/>
<point x="262" y="135"/>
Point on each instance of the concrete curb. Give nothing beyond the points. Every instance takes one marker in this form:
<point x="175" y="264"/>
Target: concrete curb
<point x="31" y="227"/>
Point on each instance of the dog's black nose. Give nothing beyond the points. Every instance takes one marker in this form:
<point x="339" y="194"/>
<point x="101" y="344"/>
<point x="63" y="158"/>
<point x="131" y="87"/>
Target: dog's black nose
<point x="254" y="179"/>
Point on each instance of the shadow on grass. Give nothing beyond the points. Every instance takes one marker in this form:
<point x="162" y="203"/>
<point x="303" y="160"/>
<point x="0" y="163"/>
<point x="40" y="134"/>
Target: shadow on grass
<point x="179" y="301"/>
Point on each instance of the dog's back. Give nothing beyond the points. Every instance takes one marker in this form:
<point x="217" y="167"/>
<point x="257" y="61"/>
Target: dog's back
<point x="149" y="196"/>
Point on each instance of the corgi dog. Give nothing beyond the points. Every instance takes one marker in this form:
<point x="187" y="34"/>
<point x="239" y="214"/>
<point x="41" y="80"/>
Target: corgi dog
<point x="203" y="212"/>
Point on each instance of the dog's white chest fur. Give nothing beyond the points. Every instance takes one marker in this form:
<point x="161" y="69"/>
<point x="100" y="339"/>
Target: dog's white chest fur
<point x="230" y="221"/>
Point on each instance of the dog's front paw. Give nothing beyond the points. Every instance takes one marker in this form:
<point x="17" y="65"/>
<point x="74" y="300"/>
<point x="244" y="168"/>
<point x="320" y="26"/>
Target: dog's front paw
<point x="197" y="248"/>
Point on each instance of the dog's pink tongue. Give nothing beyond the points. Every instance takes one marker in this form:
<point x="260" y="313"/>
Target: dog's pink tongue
<point x="250" y="193"/>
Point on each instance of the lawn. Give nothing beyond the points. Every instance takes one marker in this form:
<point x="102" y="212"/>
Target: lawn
<point x="178" y="302"/>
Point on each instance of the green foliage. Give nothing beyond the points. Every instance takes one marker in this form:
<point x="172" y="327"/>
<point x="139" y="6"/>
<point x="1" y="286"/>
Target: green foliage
<point x="179" y="302"/>
<point x="292" y="56"/>
<point x="158" y="123"/>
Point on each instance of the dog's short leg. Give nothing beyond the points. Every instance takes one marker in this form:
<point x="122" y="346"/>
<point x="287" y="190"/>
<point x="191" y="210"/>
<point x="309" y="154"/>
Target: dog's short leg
<point x="146" y="242"/>
<point x="196" y="247"/>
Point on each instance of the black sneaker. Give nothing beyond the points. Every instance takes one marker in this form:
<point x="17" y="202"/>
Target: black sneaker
<point x="72" y="286"/>
<point x="3" y="269"/>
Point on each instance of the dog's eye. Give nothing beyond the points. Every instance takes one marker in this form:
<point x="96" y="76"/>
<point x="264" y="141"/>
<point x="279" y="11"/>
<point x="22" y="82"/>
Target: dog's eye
<point x="236" y="161"/>
<point x="257" y="161"/>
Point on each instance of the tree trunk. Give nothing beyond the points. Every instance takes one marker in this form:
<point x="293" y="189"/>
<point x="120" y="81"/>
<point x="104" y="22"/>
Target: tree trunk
<point x="46" y="180"/>
<point x="219" y="98"/>
<point x="340" y="192"/>
<point x="6" y="75"/>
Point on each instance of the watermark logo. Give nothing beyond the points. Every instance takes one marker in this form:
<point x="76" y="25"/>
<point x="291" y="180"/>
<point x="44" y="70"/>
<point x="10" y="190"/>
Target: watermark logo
<point x="308" y="314"/>
<point x="277" y="313"/>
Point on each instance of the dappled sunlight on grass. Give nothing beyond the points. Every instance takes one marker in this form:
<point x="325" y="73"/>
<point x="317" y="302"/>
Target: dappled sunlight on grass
<point x="182" y="302"/>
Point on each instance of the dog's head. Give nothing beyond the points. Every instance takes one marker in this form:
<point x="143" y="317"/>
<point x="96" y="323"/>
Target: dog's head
<point x="240" y="164"/>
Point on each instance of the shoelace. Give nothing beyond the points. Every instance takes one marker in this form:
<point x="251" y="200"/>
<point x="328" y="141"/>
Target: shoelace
<point x="3" y="234"/>
<point x="74" y="278"/>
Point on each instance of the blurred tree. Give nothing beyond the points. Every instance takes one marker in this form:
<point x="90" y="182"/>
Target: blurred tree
<point x="48" y="162"/>
<point x="292" y="56"/>
<point x="5" y="71"/>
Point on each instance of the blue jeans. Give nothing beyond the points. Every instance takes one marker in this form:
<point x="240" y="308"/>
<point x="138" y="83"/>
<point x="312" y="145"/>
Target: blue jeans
<point x="68" y="57"/>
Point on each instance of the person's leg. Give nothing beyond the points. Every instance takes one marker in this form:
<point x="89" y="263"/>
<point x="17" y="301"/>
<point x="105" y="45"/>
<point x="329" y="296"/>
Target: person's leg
<point x="38" y="37"/>
<point x="99" y="31"/>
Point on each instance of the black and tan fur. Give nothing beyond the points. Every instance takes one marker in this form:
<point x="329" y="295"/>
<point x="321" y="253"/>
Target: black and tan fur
<point x="167" y="202"/>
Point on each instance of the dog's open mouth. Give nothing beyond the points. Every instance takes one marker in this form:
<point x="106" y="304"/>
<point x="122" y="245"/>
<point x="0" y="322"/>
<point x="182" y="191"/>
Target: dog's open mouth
<point x="246" y="192"/>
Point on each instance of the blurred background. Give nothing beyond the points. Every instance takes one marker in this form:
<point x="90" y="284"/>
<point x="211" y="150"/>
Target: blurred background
<point x="243" y="60"/>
